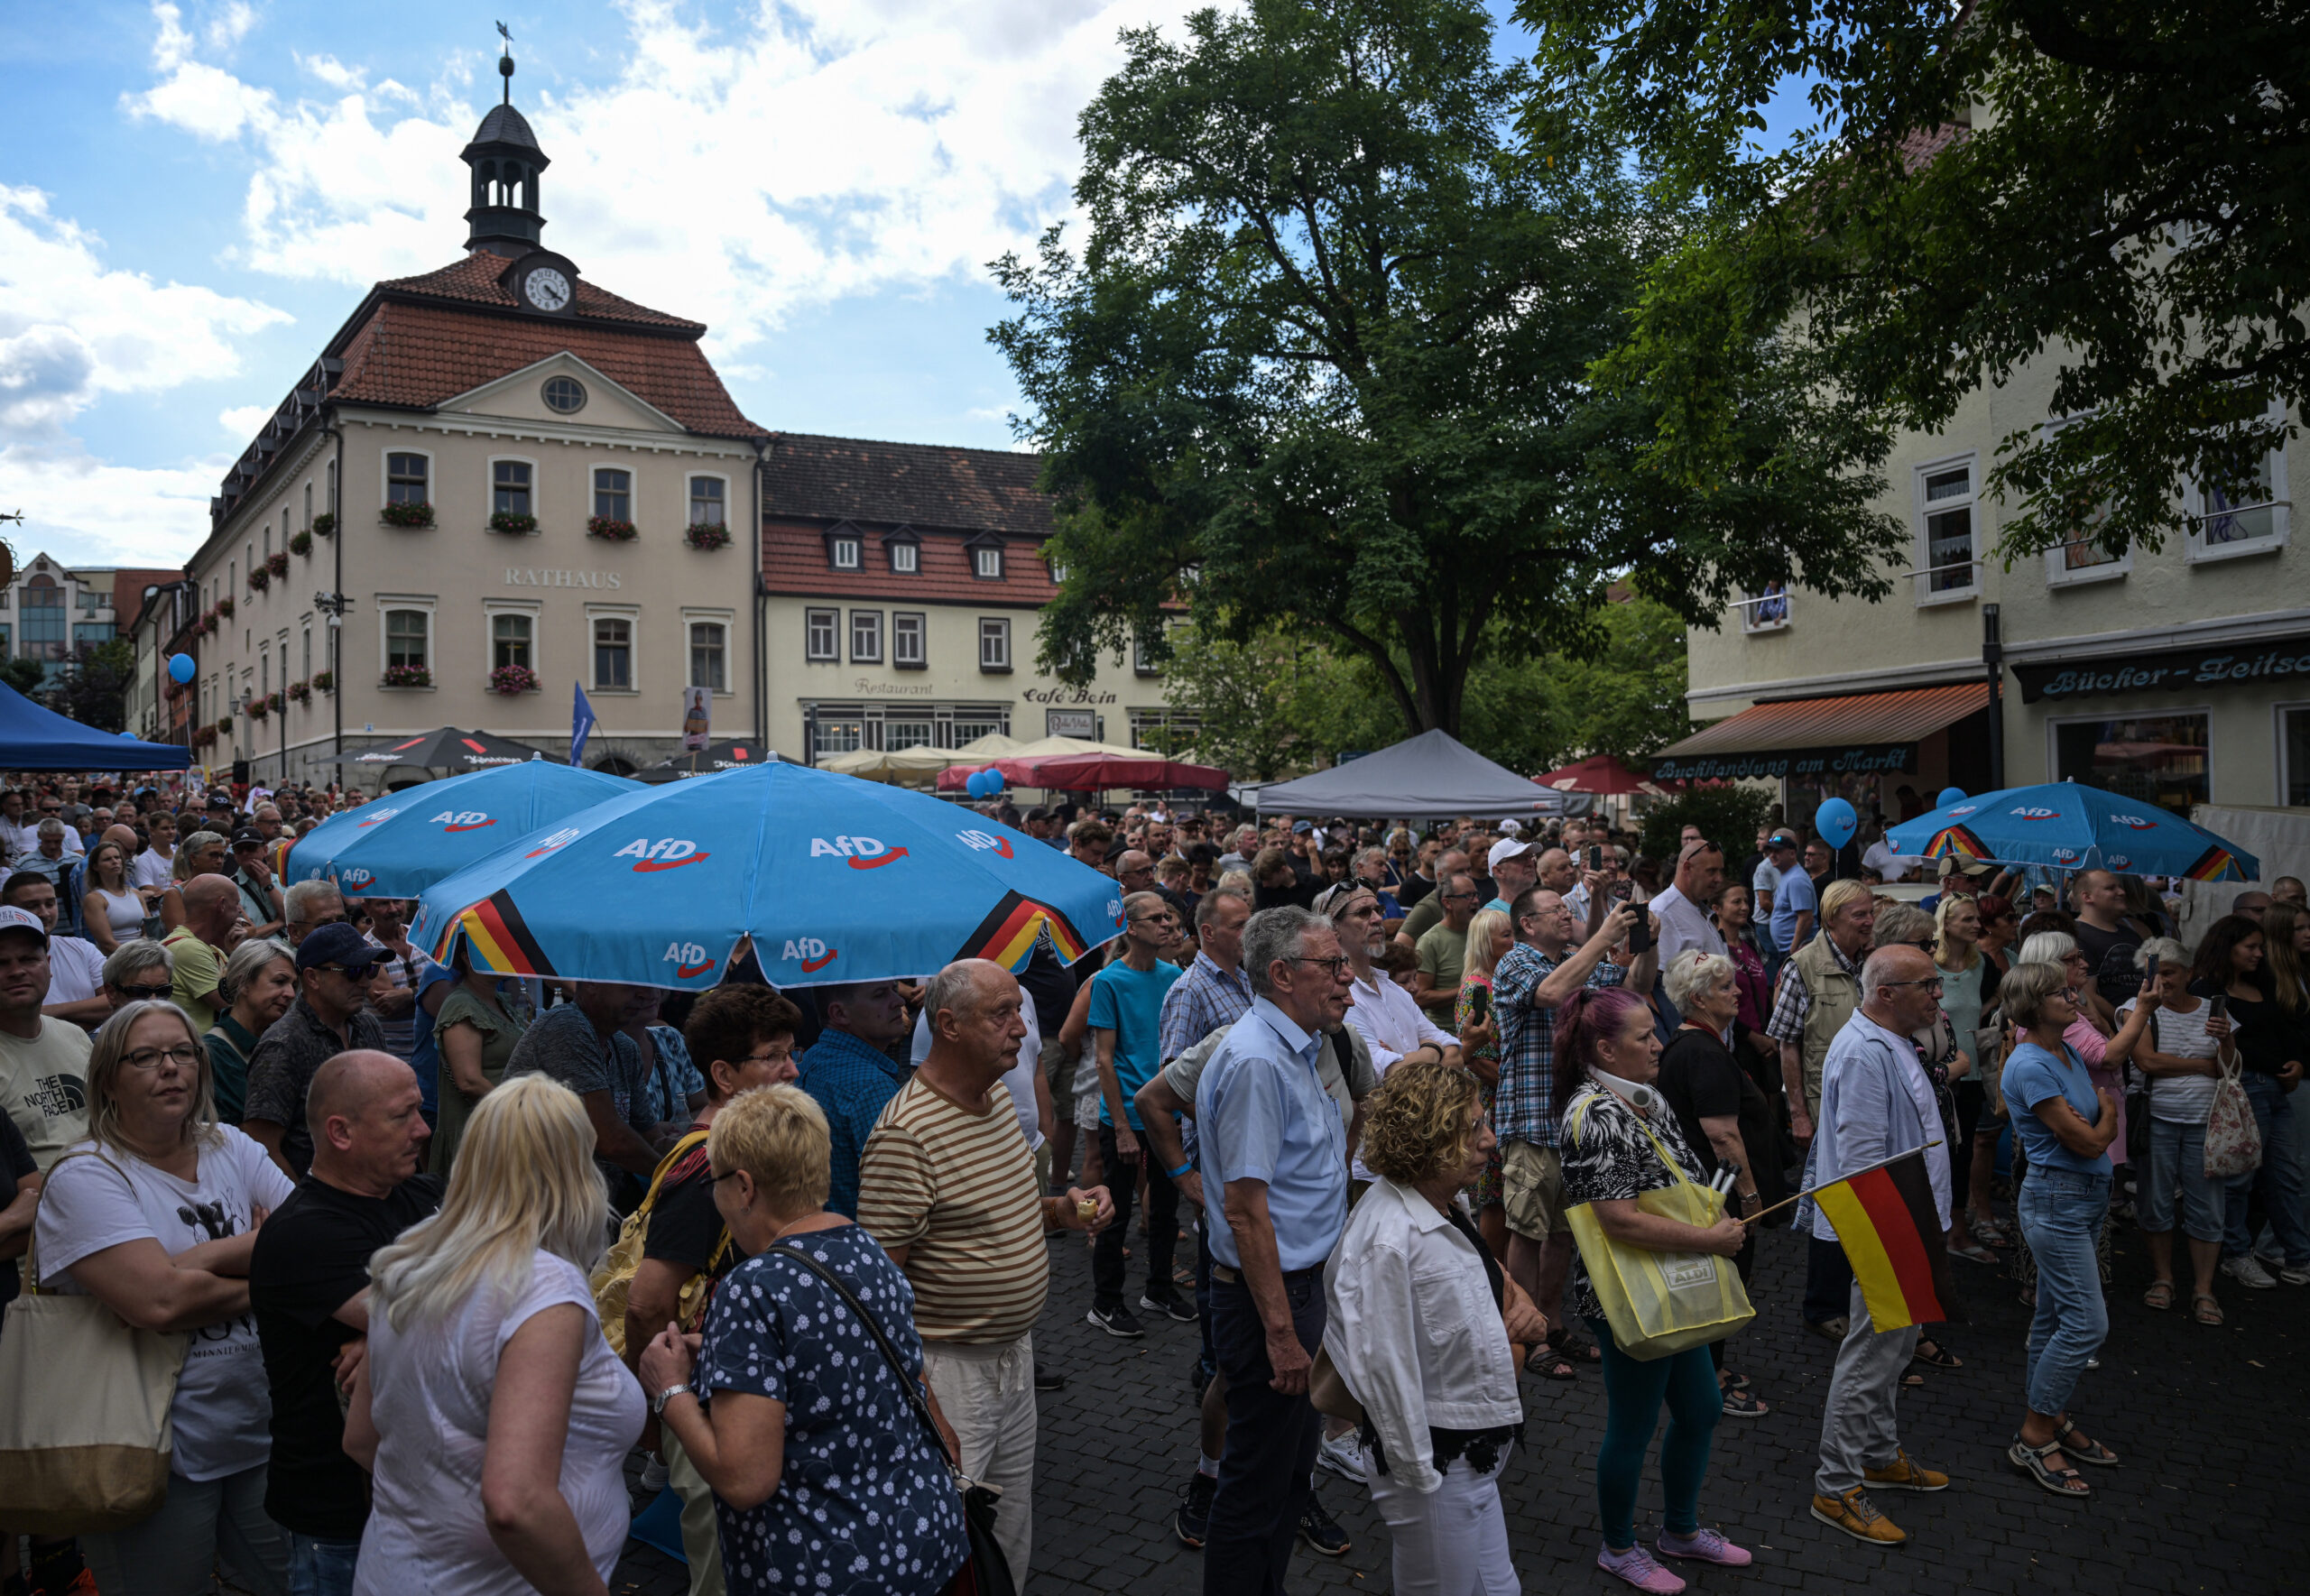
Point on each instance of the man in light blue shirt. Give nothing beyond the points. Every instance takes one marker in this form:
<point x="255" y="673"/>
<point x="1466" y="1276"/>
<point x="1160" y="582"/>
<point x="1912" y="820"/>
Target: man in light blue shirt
<point x="1795" y="911"/>
<point x="1269" y="1138"/>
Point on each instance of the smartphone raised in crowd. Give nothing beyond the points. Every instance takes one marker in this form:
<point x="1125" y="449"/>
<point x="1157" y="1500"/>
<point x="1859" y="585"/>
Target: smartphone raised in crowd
<point x="1640" y="934"/>
<point x="1480" y="1004"/>
<point x="2153" y="969"/>
<point x="1595" y="857"/>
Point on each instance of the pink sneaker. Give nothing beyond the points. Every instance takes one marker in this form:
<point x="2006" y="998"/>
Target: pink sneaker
<point x="1705" y="1545"/>
<point x="1637" y="1567"/>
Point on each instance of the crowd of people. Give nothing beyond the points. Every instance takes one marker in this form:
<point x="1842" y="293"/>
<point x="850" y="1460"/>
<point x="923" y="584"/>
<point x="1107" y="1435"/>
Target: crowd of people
<point x="444" y="1249"/>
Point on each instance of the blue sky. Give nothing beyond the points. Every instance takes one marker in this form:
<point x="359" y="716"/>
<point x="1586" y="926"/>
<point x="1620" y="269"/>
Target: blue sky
<point x="194" y="195"/>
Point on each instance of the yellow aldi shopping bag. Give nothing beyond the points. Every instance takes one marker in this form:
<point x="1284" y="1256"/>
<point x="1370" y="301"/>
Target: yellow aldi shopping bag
<point x="1660" y="1303"/>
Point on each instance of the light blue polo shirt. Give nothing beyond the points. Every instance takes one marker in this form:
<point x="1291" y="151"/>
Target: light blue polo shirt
<point x="1261" y="1114"/>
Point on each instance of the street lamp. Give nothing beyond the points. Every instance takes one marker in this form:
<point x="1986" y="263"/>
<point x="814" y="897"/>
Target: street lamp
<point x="1993" y="663"/>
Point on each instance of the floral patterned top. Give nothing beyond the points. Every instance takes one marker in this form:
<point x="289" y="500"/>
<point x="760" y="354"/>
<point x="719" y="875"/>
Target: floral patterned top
<point x="1612" y="1159"/>
<point x="865" y="1504"/>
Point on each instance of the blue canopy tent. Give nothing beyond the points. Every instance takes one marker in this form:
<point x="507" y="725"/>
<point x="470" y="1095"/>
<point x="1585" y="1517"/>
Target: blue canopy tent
<point x="36" y="739"/>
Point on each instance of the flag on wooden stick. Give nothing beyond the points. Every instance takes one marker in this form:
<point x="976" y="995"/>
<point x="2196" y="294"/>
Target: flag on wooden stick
<point x="1886" y="1220"/>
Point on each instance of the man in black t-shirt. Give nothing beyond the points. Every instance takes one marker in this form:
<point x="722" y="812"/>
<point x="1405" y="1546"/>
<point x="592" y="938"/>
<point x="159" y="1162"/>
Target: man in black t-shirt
<point x="20" y="1184"/>
<point x="308" y="1285"/>
<point x="740" y="1037"/>
<point x="2105" y="936"/>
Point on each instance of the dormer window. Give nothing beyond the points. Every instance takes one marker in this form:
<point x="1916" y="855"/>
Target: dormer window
<point x="906" y="558"/>
<point x="846" y="553"/>
<point x="986" y="562"/>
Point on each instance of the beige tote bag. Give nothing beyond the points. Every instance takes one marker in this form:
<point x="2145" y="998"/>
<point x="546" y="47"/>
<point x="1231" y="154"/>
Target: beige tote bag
<point x="84" y="1434"/>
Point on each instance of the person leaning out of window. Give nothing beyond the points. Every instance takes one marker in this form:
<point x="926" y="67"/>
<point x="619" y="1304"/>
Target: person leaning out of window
<point x="1421" y="1320"/>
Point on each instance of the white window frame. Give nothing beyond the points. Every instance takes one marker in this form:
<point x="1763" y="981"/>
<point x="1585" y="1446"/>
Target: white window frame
<point x="2278" y="711"/>
<point x="534" y="609"/>
<point x="983" y="553"/>
<point x="1056" y="572"/>
<point x="489" y="488"/>
<point x="1752" y="607"/>
<point x="633" y="489"/>
<point x="874" y="618"/>
<point x="906" y="558"/>
<point x="1002" y="624"/>
<point x="1921" y="577"/>
<point x="690" y="497"/>
<point x="832" y="618"/>
<point x="384" y="472"/>
<point x="921" y="629"/>
<point x="850" y="544"/>
<point x="727" y="621"/>
<point x="2133" y="712"/>
<point x="2197" y="551"/>
<point x="632" y="615"/>
<point x="2058" y="573"/>
<point x="385" y="603"/>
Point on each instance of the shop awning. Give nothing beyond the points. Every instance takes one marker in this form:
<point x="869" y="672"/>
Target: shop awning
<point x="1820" y="736"/>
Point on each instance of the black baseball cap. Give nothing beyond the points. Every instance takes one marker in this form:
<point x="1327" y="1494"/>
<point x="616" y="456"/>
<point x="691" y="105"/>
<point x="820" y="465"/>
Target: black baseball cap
<point x="248" y="837"/>
<point x="337" y="944"/>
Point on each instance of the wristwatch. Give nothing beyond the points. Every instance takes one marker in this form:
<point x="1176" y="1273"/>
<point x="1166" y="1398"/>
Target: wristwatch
<point x="658" y="1403"/>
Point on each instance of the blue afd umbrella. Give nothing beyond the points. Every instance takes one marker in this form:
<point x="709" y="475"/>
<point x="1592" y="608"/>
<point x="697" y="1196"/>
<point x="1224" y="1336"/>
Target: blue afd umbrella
<point x="406" y="841"/>
<point x="832" y="878"/>
<point x="2068" y="826"/>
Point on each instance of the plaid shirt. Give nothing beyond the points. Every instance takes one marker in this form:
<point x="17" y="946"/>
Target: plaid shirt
<point x="1794" y="1000"/>
<point x="1521" y="1108"/>
<point x="1199" y="1003"/>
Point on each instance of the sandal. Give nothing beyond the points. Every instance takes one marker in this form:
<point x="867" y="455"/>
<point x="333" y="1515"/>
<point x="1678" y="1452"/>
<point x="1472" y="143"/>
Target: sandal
<point x="2031" y="1461"/>
<point x="2160" y="1295"/>
<point x="1579" y="1349"/>
<point x="2080" y="1450"/>
<point x="1550" y="1364"/>
<point x="2205" y="1309"/>
<point x="1940" y="1357"/>
<point x="1744" y="1405"/>
<point x="1734" y="1382"/>
<point x="1988" y="1233"/>
<point x="1912" y="1379"/>
<point x="1974" y="1252"/>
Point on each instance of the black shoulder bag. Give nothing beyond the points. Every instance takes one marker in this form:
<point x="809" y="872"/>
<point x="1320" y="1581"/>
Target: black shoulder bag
<point x="985" y="1571"/>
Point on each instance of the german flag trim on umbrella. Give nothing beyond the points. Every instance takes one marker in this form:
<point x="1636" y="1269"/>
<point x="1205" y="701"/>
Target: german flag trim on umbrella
<point x="498" y="936"/>
<point x="1891" y="1233"/>
<point x="1008" y="934"/>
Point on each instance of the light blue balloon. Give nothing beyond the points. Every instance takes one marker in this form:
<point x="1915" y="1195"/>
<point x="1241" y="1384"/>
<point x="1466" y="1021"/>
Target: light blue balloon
<point x="995" y="782"/>
<point x="1835" y="821"/>
<point x="1949" y="794"/>
<point x="974" y="784"/>
<point x="180" y="667"/>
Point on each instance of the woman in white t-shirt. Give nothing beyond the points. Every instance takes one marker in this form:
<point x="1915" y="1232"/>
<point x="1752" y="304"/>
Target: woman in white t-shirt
<point x="492" y="1416"/>
<point x="155" y="1216"/>
<point x="2179" y="1058"/>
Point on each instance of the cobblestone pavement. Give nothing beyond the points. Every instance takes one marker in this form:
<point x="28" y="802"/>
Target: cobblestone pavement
<point x="2208" y="1420"/>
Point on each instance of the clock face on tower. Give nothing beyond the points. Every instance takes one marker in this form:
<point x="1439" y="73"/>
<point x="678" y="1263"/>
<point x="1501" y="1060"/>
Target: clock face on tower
<point x="546" y="288"/>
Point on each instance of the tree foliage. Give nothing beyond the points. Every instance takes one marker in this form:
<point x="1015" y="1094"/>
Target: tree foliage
<point x="23" y="675"/>
<point x="1322" y="366"/>
<point x="92" y="688"/>
<point x="2123" y="187"/>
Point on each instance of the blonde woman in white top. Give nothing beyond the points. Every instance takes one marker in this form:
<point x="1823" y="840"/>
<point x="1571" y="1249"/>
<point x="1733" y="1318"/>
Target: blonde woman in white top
<point x="1420" y="1324"/>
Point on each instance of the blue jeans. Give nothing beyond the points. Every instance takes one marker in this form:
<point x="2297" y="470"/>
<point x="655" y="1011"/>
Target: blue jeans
<point x="2178" y="1163"/>
<point x="2061" y="1212"/>
<point x="2279" y="1177"/>
<point x="1264" y="1481"/>
<point x="320" y="1568"/>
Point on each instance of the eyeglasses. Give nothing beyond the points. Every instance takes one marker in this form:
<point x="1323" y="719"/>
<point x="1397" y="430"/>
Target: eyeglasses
<point x="726" y="1174"/>
<point x="351" y="972"/>
<point x="1459" y="897"/>
<point x="1932" y="981"/>
<point x="1336" y="966"/>
<point x="144" y="994"/>
<point x="786" y="1058"/>
<point x="184" y="1055"/>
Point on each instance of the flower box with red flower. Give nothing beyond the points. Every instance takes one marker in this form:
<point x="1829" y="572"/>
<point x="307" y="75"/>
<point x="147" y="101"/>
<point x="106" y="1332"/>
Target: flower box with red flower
<point x="324" y="681"/>
<point x="610" y="528"/>
<point x="420" y="514"/>
<point x="510" y="679"/>
<point x="260" y="579"/>
<point x="278" y="564"/>
<point x="707" y="536"/>
<point x="407" y="676"/>
<point x="302" y="692"/>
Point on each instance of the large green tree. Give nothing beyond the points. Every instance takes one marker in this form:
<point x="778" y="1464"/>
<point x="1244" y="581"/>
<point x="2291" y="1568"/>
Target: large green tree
<point x="2123" y="186"/>
<point x="1322" y="365"/>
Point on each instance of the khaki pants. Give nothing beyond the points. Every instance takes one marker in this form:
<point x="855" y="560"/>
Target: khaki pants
<point x="701" y="1534"/>
<point x="987" y="1393"/>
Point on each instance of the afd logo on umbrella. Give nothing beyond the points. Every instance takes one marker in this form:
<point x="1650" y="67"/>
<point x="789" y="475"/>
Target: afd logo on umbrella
<point x="2133" y="822"/>
<point x="373" y="818"/>
<point x="670" y="853"/>
<point x="689" y="959"/>
<point x="355" y="878"/>
<point x="450" y="820"/>
<point x="2027" y="812"/>
<point x="558" y="840"/>
<point x="863" y="853"/>
<point x="982" y="842"/>
<point x="812" y="955"/>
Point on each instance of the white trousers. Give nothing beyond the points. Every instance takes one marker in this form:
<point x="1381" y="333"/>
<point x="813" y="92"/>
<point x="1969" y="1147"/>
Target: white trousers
<point x="1452" y="1541"/>
<point x="987" y="1393"/>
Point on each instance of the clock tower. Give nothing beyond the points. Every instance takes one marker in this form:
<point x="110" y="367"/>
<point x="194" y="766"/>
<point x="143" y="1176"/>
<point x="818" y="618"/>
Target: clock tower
<point x="506" y="162"/>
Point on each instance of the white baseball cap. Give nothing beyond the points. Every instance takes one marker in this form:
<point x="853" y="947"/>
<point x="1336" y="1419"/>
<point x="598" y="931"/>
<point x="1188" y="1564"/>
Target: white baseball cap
<point x="1507" y="847"/>
<point x="12" y="918"/>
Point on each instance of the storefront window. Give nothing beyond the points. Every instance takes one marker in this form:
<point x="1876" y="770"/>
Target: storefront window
<point x="839" y="735"/>
<point x="2294" y="744"/>
<point x="2158" y="759"/>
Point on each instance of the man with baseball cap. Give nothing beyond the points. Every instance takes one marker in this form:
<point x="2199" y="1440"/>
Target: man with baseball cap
<point x="1964" y="876"/>
<point x="1514" y="867"/>
<point x="260" y="899"/>
<point x="335" y="966"/>
<point x="1793" y="904"/>
<point x="43" y="1061"/>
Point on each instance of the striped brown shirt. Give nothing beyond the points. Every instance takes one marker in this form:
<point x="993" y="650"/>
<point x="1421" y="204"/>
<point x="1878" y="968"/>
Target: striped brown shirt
<point x="957" y="1190"/>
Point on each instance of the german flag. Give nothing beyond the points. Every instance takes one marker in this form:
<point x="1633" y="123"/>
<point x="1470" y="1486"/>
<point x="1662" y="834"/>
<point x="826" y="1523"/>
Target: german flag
<point x="1956" y="840"/>
<point x="2216" y="864"/>
<point x="499" y="938"/>
<point x="1008" y="934"/>
<point x="1891" y="1234"/>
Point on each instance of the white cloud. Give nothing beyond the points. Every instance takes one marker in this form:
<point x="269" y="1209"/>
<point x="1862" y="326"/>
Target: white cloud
<point x="809" y="152"/>
<point x="231" y="25"/>
<point x="89" y="512"/>
<point x="241" y="421"/>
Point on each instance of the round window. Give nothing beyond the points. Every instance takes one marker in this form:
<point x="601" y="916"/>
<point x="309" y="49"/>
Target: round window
<point x="565" y="394"/>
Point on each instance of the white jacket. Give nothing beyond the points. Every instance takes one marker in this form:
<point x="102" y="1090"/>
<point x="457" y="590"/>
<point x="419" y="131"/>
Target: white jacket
<point x="1413" y="1330"/>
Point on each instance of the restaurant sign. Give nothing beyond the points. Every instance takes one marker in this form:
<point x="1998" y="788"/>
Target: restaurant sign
<point x="2168" y="670"/>
<point x="1778" y="764"/>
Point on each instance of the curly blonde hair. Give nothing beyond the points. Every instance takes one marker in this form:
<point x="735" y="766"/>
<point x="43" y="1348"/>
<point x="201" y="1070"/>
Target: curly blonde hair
<point x="1419" y="1121"/>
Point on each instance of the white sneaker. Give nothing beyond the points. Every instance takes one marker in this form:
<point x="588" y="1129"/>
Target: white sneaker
<point x="2295" y="1274"/>
<point x="1341" y="1456"/>
<point x="653" y="1473"/>
<point x="2248" y="1273"/>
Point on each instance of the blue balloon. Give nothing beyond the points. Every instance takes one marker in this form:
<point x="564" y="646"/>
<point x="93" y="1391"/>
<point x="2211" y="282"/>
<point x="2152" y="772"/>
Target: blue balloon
<point x="1835" y="820"/>
<point x="1949" y="794"/>
<point x="180" y="667"/>
<point x="974" y="784"/>
<point x="995" y="782"/>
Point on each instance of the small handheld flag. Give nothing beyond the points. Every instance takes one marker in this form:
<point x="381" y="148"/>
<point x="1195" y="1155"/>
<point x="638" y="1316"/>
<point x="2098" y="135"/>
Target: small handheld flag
<point x="581" y="725"/>
<point x="1885" y="1219"/>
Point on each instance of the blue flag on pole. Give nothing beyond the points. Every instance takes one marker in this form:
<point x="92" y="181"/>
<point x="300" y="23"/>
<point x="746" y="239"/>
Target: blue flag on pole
<point x="581" y="725"/>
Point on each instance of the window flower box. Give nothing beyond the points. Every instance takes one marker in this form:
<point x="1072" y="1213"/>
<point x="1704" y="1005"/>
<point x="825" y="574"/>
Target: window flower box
<point x="278" y="564"/>
<point x="706" y="536"/>
<point x="407" y="676"/>
<point x="224" y="726"/>
<point x="301" y="544"/>
<point x="610" y="528"/>
<point x="204" y="736"/>
<point x="507" y="521"/>
<point x="510" y="679"/>
<point x="259" y="708"/>
<point x="420" y="514"/>
<point x="324" y="524"/>
<point x="274" y="702"/>
<point x="260" y="579"/>
<point x="206" y="625"/>
<point x="302" y="692"/>
<point x="225" y="607"/>
<point x="324" y="681"/>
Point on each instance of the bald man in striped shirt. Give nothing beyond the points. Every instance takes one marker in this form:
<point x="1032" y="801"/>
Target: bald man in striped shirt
<point x="946" y="1184"/>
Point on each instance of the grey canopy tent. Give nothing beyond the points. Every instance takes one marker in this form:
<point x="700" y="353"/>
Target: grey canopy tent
<point x="1434" y="773"/>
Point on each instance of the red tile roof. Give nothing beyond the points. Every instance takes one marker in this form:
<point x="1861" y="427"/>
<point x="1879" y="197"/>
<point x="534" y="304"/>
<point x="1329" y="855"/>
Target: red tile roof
<point x="474" y="281"/>
<point x="1921" y="146"/>
<point x="419" y="356"/>
<point x="886" y="486"/>
<point x="128" y="590"/>
<point x="794" y="562"/>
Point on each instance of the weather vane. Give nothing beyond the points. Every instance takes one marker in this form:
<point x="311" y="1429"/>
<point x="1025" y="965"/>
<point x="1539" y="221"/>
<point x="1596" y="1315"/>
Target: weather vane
<point x="505" y="61"/>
